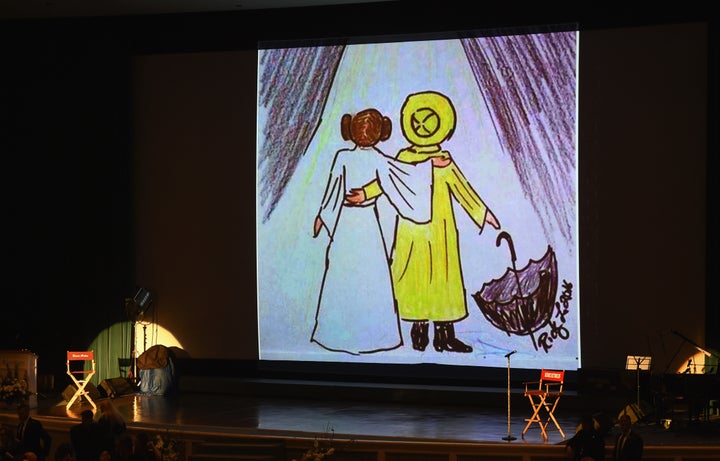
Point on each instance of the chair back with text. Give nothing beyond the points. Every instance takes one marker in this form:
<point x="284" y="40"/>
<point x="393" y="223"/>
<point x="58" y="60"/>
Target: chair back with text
<point x="552" y="380"/>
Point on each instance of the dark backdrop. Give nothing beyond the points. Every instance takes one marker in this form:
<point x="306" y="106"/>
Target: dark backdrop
<point x="128" y="149"/>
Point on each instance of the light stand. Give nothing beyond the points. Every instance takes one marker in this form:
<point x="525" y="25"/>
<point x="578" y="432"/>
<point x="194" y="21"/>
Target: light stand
<point x="508" y="437"/>
<point x="145" y="336"/>
<point x="135" y="308"/>
<point x="134" y="354"/>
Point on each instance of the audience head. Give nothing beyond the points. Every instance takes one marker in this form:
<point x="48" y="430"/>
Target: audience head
<point x="587" y="422"/>
<point x="23" y="411"/>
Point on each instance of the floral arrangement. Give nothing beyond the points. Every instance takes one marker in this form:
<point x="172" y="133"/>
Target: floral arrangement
<point x="171" y="449"/>
<point x="318" y="452"/>
<point x="13" y="390"/>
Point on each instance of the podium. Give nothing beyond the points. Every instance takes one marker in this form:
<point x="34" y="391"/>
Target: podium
<point x="23" y="365"/>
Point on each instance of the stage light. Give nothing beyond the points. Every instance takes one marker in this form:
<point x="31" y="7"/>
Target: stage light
<point x="143" y="299"/>
<point x="138" y="305"/>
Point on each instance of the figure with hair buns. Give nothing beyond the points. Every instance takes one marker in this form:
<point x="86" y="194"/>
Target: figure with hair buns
<point x="356" y="311"/>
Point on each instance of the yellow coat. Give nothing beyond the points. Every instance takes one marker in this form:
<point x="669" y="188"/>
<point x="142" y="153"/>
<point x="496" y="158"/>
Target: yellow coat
<point x="426" y="269"/>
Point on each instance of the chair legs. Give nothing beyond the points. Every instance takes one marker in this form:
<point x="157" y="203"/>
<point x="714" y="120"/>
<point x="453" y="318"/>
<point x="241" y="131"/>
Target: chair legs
<point x="81" y="388"/>
<point x="538" y="405"/>
<point x="80" y="392"/>
<point x="551" y="416"/>
<point x="535" y="418"/>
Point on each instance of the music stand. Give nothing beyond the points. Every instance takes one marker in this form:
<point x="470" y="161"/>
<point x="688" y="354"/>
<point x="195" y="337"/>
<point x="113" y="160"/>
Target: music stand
<point x="638" y="362"/>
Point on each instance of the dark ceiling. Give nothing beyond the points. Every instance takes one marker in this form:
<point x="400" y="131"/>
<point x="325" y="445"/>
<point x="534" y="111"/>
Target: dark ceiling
<point x="36" y="9"/>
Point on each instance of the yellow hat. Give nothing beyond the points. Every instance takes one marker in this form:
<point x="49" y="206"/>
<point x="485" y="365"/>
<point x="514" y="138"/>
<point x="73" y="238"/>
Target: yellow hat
<point x="427" y="118"/>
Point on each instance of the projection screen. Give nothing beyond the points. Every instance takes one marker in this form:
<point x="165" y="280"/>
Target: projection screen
<point x="451" y="237"/>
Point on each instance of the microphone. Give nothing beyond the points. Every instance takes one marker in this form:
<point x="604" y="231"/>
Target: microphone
<point x="507" y="356"/>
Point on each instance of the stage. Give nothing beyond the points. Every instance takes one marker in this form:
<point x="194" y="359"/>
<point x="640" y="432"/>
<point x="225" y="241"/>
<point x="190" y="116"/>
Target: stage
<point x="300" y="411"/>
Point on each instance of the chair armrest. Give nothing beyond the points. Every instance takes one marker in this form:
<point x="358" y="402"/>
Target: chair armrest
<point x="553" y="387"/>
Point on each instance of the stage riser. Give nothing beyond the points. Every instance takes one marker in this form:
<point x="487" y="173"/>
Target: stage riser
<point x="249" y="450"/>
<point x="387" y="449"/>
<point x="391" y="393"/>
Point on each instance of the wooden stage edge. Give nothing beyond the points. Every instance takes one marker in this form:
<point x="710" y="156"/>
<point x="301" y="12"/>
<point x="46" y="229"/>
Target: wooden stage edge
<point x="366" y="422"/>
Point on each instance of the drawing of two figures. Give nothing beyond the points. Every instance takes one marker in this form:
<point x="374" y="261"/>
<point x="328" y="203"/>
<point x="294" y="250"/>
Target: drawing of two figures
<point x="356" y="314"/>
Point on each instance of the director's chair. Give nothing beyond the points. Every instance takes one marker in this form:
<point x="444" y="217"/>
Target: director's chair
<point x="84" y="374"/>
<point x="544" y="396"/>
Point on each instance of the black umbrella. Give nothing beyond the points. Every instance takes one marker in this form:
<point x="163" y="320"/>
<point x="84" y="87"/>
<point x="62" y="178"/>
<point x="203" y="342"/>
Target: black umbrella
<point x="521" y="302"/>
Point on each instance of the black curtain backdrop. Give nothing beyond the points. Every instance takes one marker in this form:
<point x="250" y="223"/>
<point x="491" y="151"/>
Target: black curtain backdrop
<point x="67" y="188"/>
<point x="97" y="201"/>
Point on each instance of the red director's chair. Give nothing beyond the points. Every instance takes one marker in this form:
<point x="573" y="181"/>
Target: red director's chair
<point x="85" y="374"/>
<point x="544" y="396"/>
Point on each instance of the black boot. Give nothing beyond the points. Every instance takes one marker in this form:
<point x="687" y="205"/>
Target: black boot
<point x="454" y="344"/>
<point x="445" y="339"/>
<point x="439" y="336"/>
<point x="419" y="335"/>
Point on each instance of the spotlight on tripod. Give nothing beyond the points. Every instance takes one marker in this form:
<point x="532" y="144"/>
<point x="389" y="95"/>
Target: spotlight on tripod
<point x="136" y="308"/>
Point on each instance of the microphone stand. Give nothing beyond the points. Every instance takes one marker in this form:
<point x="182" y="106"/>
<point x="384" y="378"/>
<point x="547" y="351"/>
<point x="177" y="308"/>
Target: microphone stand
<point x="509" y="437"/>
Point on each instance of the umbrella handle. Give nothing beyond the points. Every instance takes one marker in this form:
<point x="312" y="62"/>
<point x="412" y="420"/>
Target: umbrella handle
<point x="505" y="236"/>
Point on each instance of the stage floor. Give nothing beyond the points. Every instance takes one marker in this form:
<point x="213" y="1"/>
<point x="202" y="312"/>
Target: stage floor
<point x="487" y="420"/>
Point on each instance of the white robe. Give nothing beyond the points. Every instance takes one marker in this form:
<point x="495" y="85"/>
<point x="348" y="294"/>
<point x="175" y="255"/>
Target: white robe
<point x="356" y="310"/>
